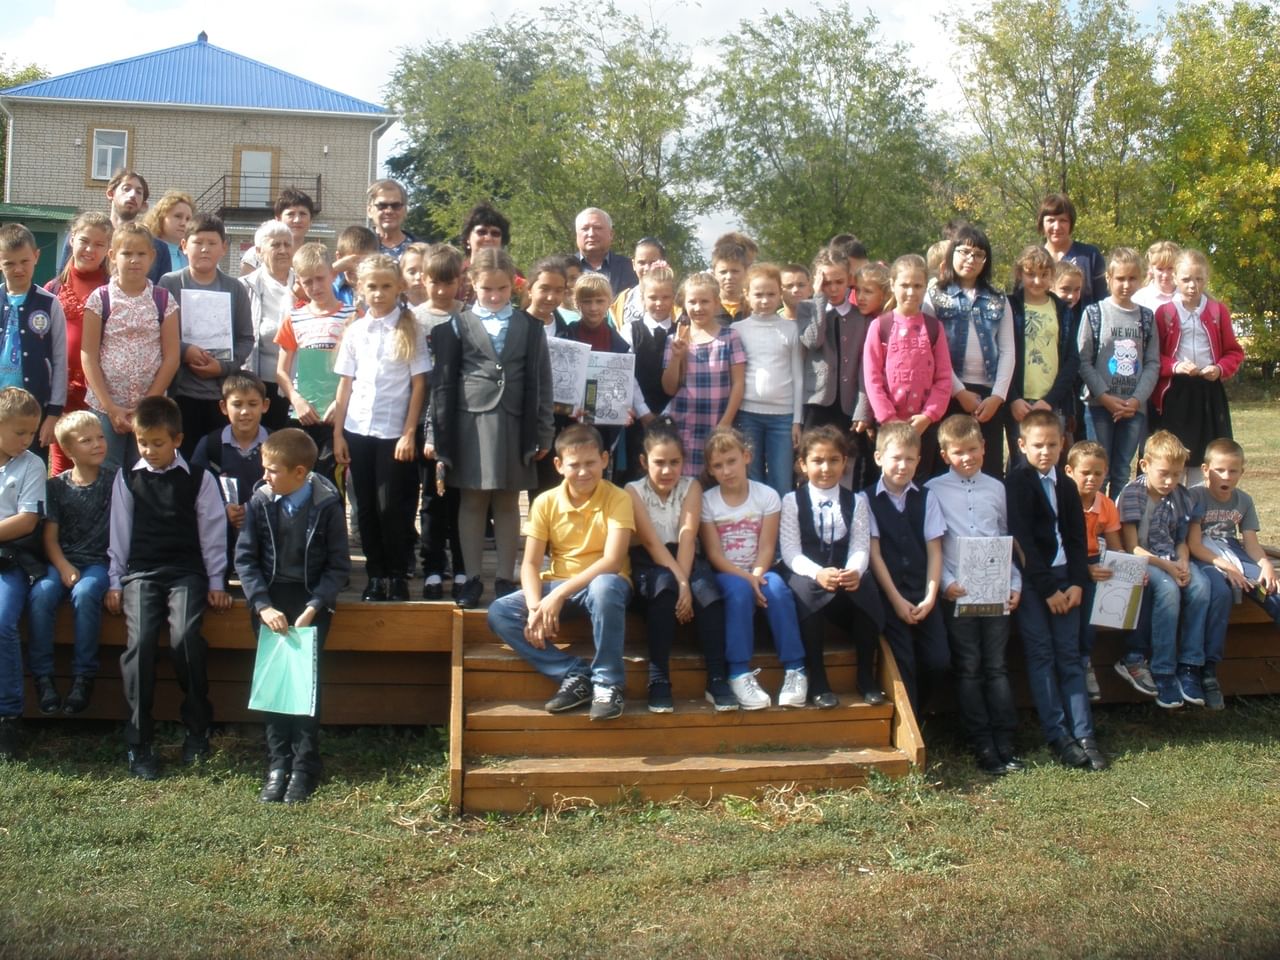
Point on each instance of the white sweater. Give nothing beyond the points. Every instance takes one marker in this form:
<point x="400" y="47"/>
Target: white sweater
<point x="775" y="366"/>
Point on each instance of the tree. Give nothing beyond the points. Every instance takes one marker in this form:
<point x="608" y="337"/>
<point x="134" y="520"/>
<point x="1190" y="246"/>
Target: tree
<point x="546" y="118"/>
<point x="12" y="75"/>
<point x="814" y="136"/>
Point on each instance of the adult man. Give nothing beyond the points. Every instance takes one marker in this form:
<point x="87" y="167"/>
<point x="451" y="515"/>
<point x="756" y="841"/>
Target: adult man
<point x="388" y="204"/>
<point x="595" y="236"/>
<point x="129" y="193"/>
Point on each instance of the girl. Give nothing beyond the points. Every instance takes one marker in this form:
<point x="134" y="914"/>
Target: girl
<point x="906" y="364"/>
<point x="548" y="289"/>
<point x="129" y="342"/>
<point x="1198" y="350"/>
<point x="491" y="414"/>
<point x="1162" y="261"/>
<point x="85" y="270"/>
<point x="672" y="583"/>
<point x="168" y="220"/>
<point x="978" y="324"/>
<point x="702" y="370"/>
<point x="826" y="543"/>
<point x="382" y="363"/>
<point x="739" y="536"/>
<point x="647" y="336"/>
<point x="773" y="401"/>
<point x="629" y="306"/>
<point x="591" y="293"/>
<point x="271" y="295"/>
<point x="412" y="269"/>
<point x="1119" y="364"/>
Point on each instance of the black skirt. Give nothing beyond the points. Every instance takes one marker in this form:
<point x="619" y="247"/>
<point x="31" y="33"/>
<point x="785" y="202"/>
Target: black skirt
<point x="1196" y="412"/>
<point x="651" y="579"/>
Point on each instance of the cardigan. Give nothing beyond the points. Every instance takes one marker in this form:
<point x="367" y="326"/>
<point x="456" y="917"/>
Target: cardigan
<point x="1216" y="320"/>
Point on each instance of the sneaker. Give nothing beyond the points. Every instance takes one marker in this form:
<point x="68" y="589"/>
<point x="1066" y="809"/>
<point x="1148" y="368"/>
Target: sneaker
<point x="1168" y="691"/>
<point x="78" y="699"/>
<point x="8" y="737"/>
<point x="1212" y="690"/>
<point x="795" y="689"/>
<point x="142" y="762"/>
<point x="574" y="691"/>
<point x="660" y="697"/>
<point x="746" y="690"/>
<point x="607" y="702"/>
<point x="1091" y="683"/>
<point x="195" y="748"/>
<point x="720" y="695"/>
<point x="1189" y="682"/>
<point x="47" y="696"/>
<point x="1137" y="674"/>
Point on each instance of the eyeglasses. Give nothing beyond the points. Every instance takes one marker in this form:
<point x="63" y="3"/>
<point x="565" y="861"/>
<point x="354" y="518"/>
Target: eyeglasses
<point x="389" y="205"/>
<point x="971" y="253"/>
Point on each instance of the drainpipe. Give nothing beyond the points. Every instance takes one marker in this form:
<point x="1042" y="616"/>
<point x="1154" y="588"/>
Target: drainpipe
<point x="8" y="147"/>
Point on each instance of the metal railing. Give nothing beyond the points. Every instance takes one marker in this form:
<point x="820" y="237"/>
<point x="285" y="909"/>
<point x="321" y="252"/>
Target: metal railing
<point x="255" y="192"/>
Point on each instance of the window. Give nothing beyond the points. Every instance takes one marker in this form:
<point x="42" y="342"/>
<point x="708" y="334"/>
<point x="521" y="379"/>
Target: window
<point x="110" y="153"/>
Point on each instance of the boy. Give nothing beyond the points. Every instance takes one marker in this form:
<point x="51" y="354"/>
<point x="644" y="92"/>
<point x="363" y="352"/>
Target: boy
<point x="1223" y="540"/>
<point x="292" y="560"/>
<point x="1087" y="468"/>
<point x="354" y="244"/>
<point x="201" y="286"/>
<point x="907" y="527"/>
<point x="75" y="541"/>
<point x="22" y="495"/>
<point x="159" y="510"/>
<point x="233" y="454"/>
<point x="1155" y="514"/>
<point x="37" y="362"/>
<point x="308" y="338"/>
<point x="797" y="286"/>
<point x="438" y="512"/>
<point x="586" y="523"/>
<point x="729" y="267"/>
<point x="1047" y="523"/>
<point x="973" y="505"/>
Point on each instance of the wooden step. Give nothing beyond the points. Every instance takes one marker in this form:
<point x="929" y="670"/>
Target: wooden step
<point x="516" y="785"/>
<point x="525" y="729"/>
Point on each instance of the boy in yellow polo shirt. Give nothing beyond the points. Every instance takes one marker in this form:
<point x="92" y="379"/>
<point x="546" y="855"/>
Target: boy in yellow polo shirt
<point x="586" y="523"/>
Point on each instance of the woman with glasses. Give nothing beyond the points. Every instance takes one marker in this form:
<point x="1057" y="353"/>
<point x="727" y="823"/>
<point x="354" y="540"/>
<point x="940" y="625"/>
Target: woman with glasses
<point x="485" y="226"/>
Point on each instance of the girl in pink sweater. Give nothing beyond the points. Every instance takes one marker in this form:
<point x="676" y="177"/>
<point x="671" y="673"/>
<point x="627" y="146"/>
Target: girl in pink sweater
<point x="906" y="365"/>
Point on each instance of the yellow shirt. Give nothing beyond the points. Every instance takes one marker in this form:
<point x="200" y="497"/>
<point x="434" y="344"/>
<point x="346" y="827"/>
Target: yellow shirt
<point x="575" y="535"/>
<point x="1040" y="350"/>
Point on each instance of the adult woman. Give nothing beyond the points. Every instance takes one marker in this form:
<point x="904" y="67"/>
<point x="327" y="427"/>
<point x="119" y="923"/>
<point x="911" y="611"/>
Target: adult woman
<point x="270" y="297"/>
<point x="485" y="227"/>
<point x="1056" y="221"/>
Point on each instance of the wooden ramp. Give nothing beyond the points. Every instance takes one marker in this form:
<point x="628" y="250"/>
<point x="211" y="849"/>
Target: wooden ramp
<point x="507" y="753"/>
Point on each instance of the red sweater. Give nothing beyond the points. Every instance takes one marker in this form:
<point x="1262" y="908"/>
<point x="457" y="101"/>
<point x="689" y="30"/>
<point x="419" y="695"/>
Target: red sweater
<point x="72" y="295"/>
<point x="1216" y="320"/>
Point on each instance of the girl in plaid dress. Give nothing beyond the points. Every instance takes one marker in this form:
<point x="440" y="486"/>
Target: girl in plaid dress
<point x="704" y="370"/>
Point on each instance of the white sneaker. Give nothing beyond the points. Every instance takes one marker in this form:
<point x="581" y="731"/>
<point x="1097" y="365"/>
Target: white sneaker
<point x="795" y="689"/>
<point x="747" y="689"/>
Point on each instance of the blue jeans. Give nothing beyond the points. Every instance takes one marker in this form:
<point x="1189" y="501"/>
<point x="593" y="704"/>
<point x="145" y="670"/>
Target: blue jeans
<point x="121" y="450"/>
<point x="42" y="611"/>
<point x="1120" y="439"/>
<point x="772" y="455"/>
<point x="1055" y="669"/>
<point x="739" y="622"/>
<point x="604" y="600"/>
<point x="1221" y="599"/>
<point x="13" y="597"/>
<point x="1167" y="601"/>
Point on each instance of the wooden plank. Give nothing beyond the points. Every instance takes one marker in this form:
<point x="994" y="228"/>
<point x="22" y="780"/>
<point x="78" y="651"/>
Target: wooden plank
<point x="685" y="684"/>
<point x="457" y="698"/>
<point x="528" y="715"/>
<point x="906" y="732"/>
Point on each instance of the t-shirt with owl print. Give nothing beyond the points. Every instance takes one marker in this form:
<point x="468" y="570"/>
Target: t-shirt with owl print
<point x="1125" y="360"/>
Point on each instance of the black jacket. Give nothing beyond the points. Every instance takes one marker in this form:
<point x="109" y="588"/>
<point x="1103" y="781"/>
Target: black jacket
<point x="1032" y="524"/>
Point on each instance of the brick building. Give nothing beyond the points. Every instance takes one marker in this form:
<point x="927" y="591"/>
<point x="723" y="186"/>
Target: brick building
<point x="230" y="131"/>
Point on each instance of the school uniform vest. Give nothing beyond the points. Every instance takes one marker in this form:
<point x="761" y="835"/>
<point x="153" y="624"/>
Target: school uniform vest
<point x="824" y="554"/>
<point x="648" y="346"/>
<point x="956" y="313"/>
<point x="35" y="332"/>
<point x="902" y="543"/>
<point x="291" y="545"/>
<point x="166" y="531"/>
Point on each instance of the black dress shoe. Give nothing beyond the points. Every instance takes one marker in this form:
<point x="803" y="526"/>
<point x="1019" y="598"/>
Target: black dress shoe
<point x="1012" y="762"/>
<point x="470" y="594"/>
<point x="398" y="589"/>
<point x="1069" y="753"/>
<point x="873" y="696"/>
<point x="78" y="699"/>
<point x="503" y="586"/>
<point x="47" y="696"/>
<point x="195" y="748"/>
<point x="8" y="737"/>
<point x="432" y="591"/>
<point x="301" y="787"/>
<point x="376" y="590"/>
<point x="1097" y="759"/>
<point x="989" y="762"/>
<point x="825" y="700"/>
<point x="142" y="762"/>
<point x="273" y="787"/>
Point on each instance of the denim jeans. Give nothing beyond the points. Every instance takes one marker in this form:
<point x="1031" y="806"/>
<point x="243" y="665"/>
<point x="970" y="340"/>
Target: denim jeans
<point x="1055" y="669"/>
<point x="1169" y="646"/>
<point x="983" y="692"/>
<point x="47" y="594"/>
<point x="13" y="597"/>
<point x="604" y="600"/>
<point x="1120" y="439"/>
<point x="739" y="621"/>
<point x="1221" y="599"/>
<point x="772" y="454"/>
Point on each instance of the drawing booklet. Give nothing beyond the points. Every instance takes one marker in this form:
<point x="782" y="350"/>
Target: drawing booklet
<point x="983" y="570"/>
<point x="1116" y="602"/>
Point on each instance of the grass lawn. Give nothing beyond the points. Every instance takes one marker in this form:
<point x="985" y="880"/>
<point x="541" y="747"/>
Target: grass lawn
<point x="1173" y="852"/>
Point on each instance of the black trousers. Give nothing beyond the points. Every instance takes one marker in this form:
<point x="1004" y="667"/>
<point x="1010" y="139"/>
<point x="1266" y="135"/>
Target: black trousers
<point x="983" y="692"/>
<point x="293" y="742"/>
<point x="199" y="418"/>
<point x="438" y="521"/>
<point x="151" y="600"/>
<point x="326" y="466"/>
<point x="386" y="492"/>
<point x="276" y="416"/>
<point x="921" y="652"/>
<point x="862" y="630"/>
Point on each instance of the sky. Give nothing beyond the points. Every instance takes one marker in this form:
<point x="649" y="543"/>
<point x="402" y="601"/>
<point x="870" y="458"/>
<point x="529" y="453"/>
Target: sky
<point x="338" y="43"/>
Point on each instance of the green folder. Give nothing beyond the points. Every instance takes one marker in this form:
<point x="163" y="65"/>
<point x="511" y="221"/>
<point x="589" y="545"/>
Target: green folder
<point x="284" y="673"/>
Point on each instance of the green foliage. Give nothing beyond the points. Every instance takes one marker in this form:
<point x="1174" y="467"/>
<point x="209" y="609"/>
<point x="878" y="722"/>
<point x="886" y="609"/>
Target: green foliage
<point x="12" y="75"/>
<point x="815" y="135"/>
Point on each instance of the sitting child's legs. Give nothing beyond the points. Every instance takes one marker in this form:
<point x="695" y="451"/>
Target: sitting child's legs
<point x="605" y="601"/>
<point x="1166" y="604"/>
<point x="86" y="603"/>
<point x="13" y="597"/>
<point x="1196" y="598"/>
<point x="739" y="622"/>
<point x="781" y="614"/>
<point x="42" y="611"/>
<point x="507" y="617"/>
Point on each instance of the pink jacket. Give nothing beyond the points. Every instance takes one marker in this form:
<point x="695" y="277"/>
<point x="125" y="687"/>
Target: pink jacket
<point x="907" y="375"/>
<point x="1216" y="319"/>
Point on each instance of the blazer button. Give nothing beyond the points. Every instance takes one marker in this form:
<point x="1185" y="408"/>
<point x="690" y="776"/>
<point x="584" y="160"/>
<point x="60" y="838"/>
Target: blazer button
<point x="497" y="366"/>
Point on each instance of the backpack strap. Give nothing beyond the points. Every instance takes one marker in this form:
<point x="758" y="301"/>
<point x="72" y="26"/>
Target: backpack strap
<point x="105" y="292"/>
<point x="1093" y="314"/>
<point x="213" y="451"/>
<point x="161" y="297"/>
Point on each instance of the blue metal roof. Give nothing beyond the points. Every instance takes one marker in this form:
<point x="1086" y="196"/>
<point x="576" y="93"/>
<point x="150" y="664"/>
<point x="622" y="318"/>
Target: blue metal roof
<point x="194" y="74"/>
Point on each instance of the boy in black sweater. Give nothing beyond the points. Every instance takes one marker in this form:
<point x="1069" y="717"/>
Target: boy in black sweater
<point x="159" y="509"/>
<point x="1047" y="523"/>
<point x="292" y="557"/>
